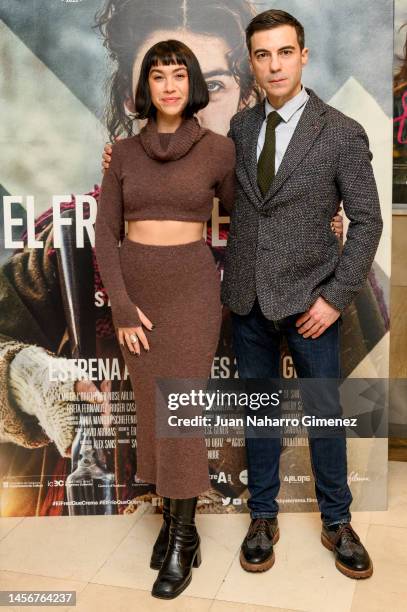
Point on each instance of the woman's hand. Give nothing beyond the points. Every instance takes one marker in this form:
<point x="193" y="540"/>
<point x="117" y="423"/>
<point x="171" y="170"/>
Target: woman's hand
<point x="106" y="156"/>
<point x="336" y="223"/>
<point x="134" y="335"/>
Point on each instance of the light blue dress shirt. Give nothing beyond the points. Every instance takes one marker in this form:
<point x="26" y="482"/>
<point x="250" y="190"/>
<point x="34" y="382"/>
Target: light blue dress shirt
<point x="290" y="112"/>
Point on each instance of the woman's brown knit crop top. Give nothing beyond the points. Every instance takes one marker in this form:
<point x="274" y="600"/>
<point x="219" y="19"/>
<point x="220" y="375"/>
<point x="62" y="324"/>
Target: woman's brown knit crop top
<point x="148" y="180"/>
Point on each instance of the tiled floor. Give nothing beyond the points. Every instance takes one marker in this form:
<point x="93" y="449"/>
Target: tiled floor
<point x="106" y="561"/>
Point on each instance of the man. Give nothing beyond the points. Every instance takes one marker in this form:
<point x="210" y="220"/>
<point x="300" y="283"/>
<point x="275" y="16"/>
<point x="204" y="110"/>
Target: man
<point x="284" y="274"/>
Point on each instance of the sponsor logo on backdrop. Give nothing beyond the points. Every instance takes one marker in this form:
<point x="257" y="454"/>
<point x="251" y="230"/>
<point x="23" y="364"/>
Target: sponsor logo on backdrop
<point x="234" y="501"/>
<point x="354" y="477"/>
<point x="243" y="477"/>
<point x="291" y="478"/>
<point x="222" y="477"/>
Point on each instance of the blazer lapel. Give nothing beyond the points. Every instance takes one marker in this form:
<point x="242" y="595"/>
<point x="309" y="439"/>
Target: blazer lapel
<point x="252" y="127"/>
<point x="308" y="128"/>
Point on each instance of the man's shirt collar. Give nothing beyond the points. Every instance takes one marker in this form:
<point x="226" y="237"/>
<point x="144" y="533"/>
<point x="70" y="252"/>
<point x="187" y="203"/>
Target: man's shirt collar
<point x="290" y="107"/>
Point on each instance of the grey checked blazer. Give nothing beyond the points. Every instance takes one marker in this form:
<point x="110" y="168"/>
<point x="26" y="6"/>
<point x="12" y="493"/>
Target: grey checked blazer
<point x="280" y="246"/>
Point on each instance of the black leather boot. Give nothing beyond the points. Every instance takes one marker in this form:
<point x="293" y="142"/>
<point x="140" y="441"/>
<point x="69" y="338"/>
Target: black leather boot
<point x="161" y="543"/>
<point x="257" y="553"/>
<point x="351" y="557"/>
<point x="183" y="551"/>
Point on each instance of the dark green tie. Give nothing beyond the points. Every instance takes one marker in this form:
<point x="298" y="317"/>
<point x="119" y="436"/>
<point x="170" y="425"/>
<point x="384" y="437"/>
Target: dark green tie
<point x="267" y="159"/>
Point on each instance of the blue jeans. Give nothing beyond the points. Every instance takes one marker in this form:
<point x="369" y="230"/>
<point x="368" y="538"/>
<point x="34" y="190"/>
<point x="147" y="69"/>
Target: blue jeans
<point x="256" y="342"/>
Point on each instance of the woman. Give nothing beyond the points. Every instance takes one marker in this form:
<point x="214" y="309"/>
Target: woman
<point x="214" y="30"/>
<point x="162" y="182"/>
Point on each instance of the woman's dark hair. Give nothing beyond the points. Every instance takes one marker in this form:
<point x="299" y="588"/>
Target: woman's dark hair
<point x="126" y="24"/>
<point x="171" y="52"/>
<point x="273" y="19"/>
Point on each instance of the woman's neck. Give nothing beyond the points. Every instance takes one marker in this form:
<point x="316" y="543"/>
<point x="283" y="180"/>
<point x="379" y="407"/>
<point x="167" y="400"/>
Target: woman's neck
<point x="168" y="123"/>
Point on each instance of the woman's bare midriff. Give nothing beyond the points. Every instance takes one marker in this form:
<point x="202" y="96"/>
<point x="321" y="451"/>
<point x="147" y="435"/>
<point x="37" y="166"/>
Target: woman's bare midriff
<point x="164" y="232"/>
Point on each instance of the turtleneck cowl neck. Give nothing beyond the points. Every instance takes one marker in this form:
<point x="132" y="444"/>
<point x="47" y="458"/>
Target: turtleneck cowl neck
<point x="179" y="142"/>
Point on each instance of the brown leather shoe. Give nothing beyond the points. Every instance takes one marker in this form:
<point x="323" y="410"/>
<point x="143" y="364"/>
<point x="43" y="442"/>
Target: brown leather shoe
<point x="351" y="557"/>
<point x="257" y="554"/>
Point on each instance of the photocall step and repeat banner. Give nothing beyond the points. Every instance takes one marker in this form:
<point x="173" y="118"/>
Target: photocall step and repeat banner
<point x="68" y="72"/>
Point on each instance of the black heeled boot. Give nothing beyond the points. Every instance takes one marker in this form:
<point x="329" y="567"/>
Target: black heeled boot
<point x="183" y="551"/>
<point x="161" y="543"/>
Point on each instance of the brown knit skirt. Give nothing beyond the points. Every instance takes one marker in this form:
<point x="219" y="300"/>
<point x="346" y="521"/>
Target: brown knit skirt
<point x="178" y="289"/>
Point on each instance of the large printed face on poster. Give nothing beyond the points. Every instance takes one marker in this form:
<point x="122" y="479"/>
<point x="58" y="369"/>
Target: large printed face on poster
<point x="69" y="72"/>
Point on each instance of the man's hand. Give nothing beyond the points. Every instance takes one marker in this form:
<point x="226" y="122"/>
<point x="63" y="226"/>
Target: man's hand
<point x="317" y="319"/>
<point x="337" y="223"/>
<point x="106" y="156"/>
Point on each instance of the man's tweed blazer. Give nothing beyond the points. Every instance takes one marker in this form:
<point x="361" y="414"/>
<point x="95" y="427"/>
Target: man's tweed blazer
<point x="281" y="246"/>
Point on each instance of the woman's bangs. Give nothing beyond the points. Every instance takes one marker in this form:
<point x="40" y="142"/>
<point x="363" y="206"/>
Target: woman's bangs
<point x="167" y="58"/>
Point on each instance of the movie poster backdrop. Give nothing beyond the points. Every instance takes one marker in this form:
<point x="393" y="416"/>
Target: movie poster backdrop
<point x="68" y="421"/>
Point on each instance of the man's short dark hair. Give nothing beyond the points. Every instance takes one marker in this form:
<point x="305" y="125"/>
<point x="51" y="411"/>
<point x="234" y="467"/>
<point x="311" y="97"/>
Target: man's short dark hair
<point x="273" y="19"/>
<point x="169" y="52"/>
